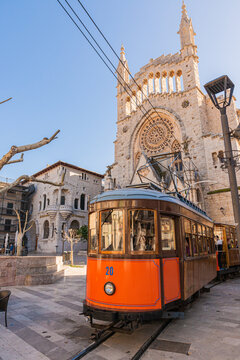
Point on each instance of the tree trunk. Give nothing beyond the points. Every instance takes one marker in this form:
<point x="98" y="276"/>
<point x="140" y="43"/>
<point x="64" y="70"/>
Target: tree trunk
<point x="72" y="253"/>
<point x="19" y="244"/>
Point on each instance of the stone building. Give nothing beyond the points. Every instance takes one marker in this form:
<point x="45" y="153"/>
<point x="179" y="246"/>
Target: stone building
<point x="54" y="209"/>
<point x="163" y="110"/>
<point x="16" y="198"/>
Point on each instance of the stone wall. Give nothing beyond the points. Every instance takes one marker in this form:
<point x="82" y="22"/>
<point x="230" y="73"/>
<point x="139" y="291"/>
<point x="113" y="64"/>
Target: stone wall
<point x="30" y="270"/>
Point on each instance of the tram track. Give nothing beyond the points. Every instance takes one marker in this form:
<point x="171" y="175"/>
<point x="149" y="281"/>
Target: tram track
<point x="104" y="337"/>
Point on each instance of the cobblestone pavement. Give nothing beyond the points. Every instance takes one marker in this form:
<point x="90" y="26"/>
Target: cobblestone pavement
<point x="44" y="323"/>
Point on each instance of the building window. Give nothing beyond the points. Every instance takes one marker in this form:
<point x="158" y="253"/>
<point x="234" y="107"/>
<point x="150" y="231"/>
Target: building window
<point x="7" y="226"/>
<point x="44" y="201"/>
<point x="76" y="204"/>
<point x="84" y="176"/>
<point x="48" y="202"/>
<point x="40" y="205"/>
<point x="9" y="208"/>
<point x="74" y="225"/>
<point x="82" y="202"/>
<point x="62" y="200"/>
<point x="46" y="229"/>
<point x="52" y="230"/>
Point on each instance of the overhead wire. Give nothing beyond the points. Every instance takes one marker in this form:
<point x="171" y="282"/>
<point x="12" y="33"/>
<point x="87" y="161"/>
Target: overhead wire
<point x="124" y="84"/>
<point x="120" y="60"/>
<point x="140" y="106"/>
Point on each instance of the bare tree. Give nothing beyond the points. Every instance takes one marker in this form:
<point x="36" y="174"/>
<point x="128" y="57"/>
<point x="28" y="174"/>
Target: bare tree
<point x="22" y="230"/>
<point x="72" y="237"/>
<point x="6" y="160"/>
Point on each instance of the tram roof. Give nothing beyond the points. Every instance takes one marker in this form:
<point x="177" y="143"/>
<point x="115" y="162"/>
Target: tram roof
<point x="147" y="194"/>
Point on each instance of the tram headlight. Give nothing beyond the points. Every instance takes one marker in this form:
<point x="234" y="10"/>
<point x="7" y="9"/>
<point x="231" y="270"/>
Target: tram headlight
<point x="109" y="288"/>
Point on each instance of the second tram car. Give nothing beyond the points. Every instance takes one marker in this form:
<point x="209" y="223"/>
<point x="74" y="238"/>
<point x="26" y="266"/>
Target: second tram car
<point x="148" y="252"/>
<point x="228" y="256"/>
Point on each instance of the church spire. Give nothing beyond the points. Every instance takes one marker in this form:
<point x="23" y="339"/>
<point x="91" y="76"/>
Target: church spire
<point x="186" y="31"/>
<point x="122" y="70"/>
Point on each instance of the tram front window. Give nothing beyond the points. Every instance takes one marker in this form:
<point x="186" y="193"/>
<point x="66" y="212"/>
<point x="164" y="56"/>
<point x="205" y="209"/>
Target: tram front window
<point x="112" y="231"/>
<point x="142" y="230"/>
<point x="168" y="233"/>
<point x="93" y="232"/>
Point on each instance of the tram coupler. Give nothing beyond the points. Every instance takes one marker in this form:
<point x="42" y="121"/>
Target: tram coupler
<point x="173" y="315"/>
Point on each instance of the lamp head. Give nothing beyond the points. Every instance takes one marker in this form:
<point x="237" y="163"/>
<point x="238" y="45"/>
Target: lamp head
<point x="224" y="86"/>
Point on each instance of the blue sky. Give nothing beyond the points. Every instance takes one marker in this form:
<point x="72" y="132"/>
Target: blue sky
<point x="58" y="82"/>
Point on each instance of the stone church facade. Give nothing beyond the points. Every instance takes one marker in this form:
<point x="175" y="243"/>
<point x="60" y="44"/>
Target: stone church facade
<point x="162" y="110"/>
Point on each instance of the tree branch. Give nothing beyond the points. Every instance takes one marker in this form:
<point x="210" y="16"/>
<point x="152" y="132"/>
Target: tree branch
<point x="30" y="179"/>
<point x="5" y="100"/>
<point x="15" y="161"/>
<point x="19" y="149"/>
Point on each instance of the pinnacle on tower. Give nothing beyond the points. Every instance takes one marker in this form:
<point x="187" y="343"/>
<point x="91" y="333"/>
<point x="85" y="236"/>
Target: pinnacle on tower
<point x="122" y="53"/>
<point x="122" y="70"/>
<point x="186" y="31"/>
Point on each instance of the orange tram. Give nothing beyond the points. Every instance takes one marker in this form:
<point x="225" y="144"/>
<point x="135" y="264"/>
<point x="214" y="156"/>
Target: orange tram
<point x="148" y="253"/>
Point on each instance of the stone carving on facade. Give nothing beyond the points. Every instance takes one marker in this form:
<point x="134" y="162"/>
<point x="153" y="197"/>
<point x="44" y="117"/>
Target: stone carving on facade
<point x="156" y="135"/>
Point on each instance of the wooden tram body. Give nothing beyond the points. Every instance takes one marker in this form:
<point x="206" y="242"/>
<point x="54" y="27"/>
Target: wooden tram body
<point x="148" y="252"/>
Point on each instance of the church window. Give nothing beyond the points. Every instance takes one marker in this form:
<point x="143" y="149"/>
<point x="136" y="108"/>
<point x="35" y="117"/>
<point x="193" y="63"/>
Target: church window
<point x="171" y="82"/>
<point x="139" y="95"/>
<point x="178" y="79"/>
<point x="48" y="202"/>
<point x="128" y="106"/>
<point x="199" y="197"/>
<point x="62" y="200"/>
<point x="46" y="229"/>
<point x="145" y="89"/>
<point x="150" y="83"/>
<point x="157" y="84"/>
<point x="164" y="82"/>
<point x="221" y="156"/>
<point x="40" y="205"/>
<point x="214" y="158"/>
<point x="133" y="101"/>
<point x="82" y="202"/>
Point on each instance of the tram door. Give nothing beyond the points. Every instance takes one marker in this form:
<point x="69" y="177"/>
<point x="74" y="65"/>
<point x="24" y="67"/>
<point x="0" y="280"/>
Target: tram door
<point x="170" y="261"/>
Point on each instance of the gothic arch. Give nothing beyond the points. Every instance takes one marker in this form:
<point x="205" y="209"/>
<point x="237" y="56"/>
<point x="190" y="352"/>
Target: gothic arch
<point x="173" y="118"/>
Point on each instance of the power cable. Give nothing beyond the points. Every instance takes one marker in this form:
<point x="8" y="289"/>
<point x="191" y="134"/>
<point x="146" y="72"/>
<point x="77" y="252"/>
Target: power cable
<point x="115" y="53"/>
<point x="98" y="51"/>
<point x="140" y="106"/>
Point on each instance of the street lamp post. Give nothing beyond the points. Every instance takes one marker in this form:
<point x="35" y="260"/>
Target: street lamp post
<point x="225" y="86"/>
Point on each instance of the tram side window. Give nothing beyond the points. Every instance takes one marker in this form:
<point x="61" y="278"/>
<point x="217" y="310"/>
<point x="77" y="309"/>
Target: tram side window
<point x="200" y="239"/>
<point x="188" y="236"/>
<point x="168" y="233"/>
<point x="93" y="241"/>
<point x="194" y="239"/>
<point x="204" y="232"/>
<point x="142" y="230"/>
<point x="112" y="231"/>
<point x="210" y="242"/>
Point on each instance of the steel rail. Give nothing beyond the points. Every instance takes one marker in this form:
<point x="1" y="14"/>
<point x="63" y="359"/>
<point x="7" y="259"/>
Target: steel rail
<point x="93" y="346"/>
<point x="150" y="340"/>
